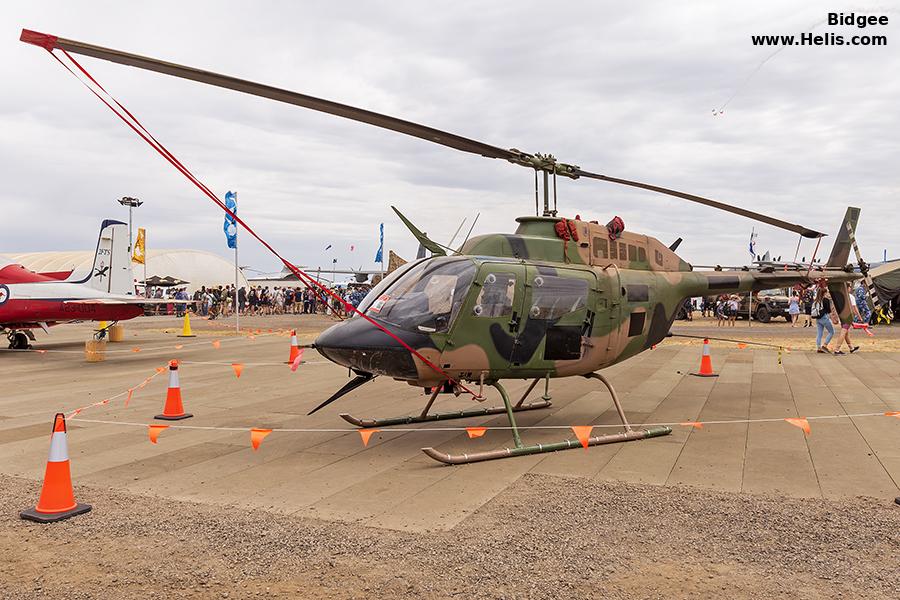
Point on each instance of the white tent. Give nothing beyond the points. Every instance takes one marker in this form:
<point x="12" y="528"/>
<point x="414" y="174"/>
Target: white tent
<point x="198" y="267"/>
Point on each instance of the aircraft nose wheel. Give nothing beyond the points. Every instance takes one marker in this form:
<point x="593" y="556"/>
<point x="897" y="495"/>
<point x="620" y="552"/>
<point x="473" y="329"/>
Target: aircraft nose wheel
<point x="18" y="341"/>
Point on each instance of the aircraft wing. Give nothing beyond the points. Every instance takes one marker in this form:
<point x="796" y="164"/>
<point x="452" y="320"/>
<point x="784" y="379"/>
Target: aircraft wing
<point x="128" y="300"/>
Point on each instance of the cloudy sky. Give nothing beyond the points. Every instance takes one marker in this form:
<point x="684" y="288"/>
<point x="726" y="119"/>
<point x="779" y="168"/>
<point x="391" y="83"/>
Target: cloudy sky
<point x="624" y="89"/>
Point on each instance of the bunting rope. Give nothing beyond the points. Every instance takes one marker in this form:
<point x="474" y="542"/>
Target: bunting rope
<point x="136" y="349"/>
<point x="138" y="128"/>
<point x="718" y="339"/>
<point x="498" y="427"/>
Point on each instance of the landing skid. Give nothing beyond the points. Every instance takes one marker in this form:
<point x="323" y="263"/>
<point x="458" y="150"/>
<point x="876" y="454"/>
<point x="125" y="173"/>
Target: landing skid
<point x="627" y="436"/>
<point x="426" y="417"/>
<point x="521" y="449"/>
<point x="460" y="414"/>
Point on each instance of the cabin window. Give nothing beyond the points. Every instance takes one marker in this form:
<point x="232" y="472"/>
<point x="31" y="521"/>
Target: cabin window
<point x="552" y="297"/>
<point x="632" y="253"/>
<point x="623" y="251"/>
<point x="496" y="296"/>
<point x="658" y="256"/>
<point x="637" y="292"/>
<point x="636" y="324"/>
<point x="601" y="247"/>
<point x="642" y="254"/>
<point x="613" y="252"/>
<point x="563" y="342"/>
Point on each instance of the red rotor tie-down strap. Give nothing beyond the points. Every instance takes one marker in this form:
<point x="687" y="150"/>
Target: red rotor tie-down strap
<point x="49" y="43"/>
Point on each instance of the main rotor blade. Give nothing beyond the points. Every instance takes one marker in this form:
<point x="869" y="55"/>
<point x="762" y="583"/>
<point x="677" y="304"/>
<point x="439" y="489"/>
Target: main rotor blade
<point x="273" y="93"/>
<point x="540" y="162"/>
<point x="804" y="231"/>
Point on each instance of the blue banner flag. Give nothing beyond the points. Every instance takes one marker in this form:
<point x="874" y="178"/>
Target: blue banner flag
<point x="230" y="224"/>
<point x="379" y="256"/>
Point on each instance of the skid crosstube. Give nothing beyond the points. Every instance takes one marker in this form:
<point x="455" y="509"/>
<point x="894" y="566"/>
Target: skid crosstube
<point x="625" y="436"/>
<point x="428" y="418"/>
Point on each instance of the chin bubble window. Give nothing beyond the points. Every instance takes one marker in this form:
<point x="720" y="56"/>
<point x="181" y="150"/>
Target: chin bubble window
<point x="496" y="296"/>
<point x="554" y="297"/>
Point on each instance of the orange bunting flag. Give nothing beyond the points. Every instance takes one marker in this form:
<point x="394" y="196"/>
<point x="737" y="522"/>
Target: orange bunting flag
<point x="154" y="431"/>
<point x="893" y="413"/>
<point x="216" y="344"/>
<point x="238" y="369"/>
<point x="741" y="346"/>
<point x="476" y="432"/>
<point x="128" y="399"/>
<point x="583" y="433"/>
<point x="802" y="424"/>
<point x="365" y="434"/>
<point x="135" y="349"/>
<point x="160" y="369"/>
<point x="257" y="436"/>
<point x="297" y="359"/>
<point x="179" y="346"/>
<point x="695" y="424"/>
<point x="270" y="331"/>
<point x="258" y="331"/>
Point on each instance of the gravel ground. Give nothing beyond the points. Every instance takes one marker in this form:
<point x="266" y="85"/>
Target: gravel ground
<point x="545" y="537"/>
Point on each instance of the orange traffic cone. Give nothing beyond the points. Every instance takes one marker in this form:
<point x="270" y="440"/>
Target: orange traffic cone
<point x="295" y="350"/>
<point x="173" y="411"/>
<point x="705" y="362"/>
<point x="57" y="500"/>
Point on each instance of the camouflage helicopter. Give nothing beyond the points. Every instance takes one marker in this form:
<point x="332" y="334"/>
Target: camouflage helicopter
<point x="558" y="298"/>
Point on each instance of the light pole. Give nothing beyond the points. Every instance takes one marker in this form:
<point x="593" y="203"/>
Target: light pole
<point x="131" y="203"/>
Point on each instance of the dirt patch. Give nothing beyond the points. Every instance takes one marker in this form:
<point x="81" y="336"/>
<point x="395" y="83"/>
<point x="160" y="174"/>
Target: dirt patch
<point x="544" y="537"/>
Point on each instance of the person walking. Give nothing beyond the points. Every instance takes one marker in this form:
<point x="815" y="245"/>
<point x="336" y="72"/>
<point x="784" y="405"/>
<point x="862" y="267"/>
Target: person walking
<point x="821" y="312"/>
<point x="734" y="305"/>
<point x="844" y="335"/>
<point x="794" y="309"/>
<point x="720" y="310"/>
<point x="807" y="305"/>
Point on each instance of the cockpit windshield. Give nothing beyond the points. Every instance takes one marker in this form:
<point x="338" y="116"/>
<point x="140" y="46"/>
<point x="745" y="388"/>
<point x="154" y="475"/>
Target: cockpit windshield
<point x="427" y="297"/>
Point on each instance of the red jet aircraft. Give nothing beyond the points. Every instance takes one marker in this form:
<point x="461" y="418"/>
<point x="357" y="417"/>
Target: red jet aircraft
<point x="30" y="300"/>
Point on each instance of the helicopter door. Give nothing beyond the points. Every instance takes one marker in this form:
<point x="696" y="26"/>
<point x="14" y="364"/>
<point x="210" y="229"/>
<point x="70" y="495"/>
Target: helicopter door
<point x="560" y="316"/>
<point x="484" y="337"/>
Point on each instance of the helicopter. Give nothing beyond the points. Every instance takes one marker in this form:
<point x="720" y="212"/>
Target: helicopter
<point x="557" y="298"/>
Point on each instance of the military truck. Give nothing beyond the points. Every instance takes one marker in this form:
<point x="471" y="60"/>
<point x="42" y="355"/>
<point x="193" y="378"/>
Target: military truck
<point x="767" y="304"/>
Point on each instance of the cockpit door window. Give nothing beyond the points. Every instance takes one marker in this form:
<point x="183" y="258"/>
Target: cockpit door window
<point x="496" y="296"/>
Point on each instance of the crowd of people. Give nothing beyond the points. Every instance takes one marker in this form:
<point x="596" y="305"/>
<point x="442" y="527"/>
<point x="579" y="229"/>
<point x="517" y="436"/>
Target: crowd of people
<point x="808" y="306"/>
<point x="219" y="301"/>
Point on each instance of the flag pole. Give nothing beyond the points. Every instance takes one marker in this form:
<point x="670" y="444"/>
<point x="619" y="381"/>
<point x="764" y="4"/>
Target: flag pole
<point x="237" y="308"/>
<point x="146" y="295"/>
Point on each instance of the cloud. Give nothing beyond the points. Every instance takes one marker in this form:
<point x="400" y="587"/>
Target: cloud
<point x="625" y="90"/>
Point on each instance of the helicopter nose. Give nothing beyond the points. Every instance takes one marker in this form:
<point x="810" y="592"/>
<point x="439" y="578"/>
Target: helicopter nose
<point x="361" y="346"/>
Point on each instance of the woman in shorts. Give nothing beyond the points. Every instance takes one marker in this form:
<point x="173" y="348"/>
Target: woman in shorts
<point x="794" y="309"/>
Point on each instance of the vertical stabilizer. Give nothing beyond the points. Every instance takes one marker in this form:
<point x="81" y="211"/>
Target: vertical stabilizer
<point x="840" y="252"/>
<point x="111" y="271"/>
